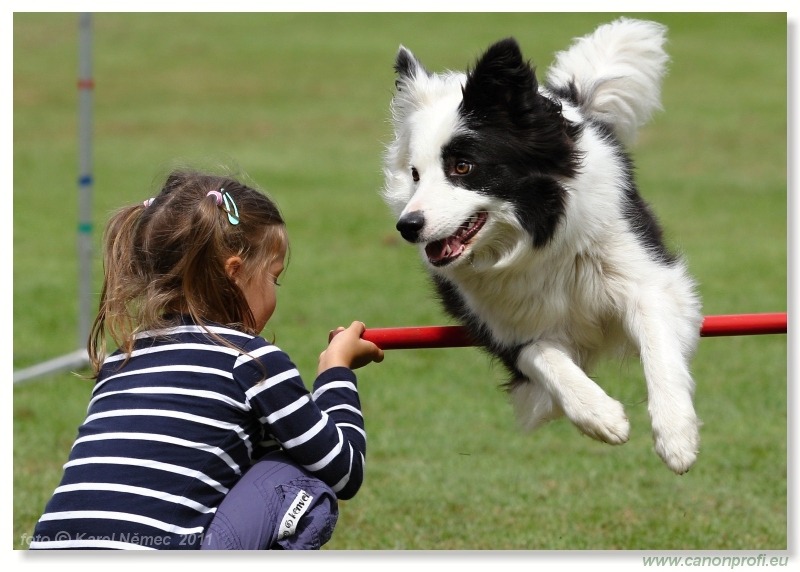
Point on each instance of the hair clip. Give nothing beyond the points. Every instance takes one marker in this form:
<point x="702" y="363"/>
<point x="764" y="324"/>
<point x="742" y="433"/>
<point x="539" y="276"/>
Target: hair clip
<point x="233" y="217"/>
<point x="225" y="200"/>
<point x="148" y="202"/>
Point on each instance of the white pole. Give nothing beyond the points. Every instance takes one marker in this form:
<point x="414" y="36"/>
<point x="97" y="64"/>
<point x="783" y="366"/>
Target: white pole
<point x="85" y="178"/>
<point x="79" y="357"/>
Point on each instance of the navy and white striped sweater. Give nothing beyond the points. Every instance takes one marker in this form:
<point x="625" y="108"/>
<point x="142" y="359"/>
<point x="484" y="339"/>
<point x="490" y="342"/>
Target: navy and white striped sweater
<point x="172" y="430"/>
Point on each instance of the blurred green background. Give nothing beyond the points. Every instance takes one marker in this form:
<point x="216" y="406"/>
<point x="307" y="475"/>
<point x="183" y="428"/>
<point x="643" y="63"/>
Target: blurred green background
<point x="299" y="102"/>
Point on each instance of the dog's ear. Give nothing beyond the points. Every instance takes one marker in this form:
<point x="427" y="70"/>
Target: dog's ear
<point x="407" y="67"/>
<point x="501" y="80"/>
<point x="501" y="95"/>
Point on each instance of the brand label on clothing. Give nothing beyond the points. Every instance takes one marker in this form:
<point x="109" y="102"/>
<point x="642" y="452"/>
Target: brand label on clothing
<point x="299" y="506"/>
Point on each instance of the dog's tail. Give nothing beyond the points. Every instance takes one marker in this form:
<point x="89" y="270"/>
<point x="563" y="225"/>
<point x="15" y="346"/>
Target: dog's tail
<point x="614" y="74"/>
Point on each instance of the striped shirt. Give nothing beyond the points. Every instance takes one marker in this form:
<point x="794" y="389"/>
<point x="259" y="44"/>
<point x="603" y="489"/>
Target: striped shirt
<point x="168" y="433"/>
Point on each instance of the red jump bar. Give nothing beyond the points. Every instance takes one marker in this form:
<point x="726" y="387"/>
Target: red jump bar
<point x="424" y="337"/>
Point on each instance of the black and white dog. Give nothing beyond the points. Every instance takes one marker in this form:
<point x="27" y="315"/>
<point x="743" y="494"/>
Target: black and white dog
<point x="522" y="200"/>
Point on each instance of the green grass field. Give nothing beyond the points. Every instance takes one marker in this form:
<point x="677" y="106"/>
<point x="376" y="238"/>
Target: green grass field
<point x="299" y="102"/>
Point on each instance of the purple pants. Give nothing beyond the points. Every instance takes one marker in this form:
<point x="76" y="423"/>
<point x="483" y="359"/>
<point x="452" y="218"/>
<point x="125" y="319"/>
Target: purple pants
<point x="275" y="505"/>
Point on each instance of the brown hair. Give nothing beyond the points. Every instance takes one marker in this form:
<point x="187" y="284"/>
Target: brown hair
<point x="168" y="258"/>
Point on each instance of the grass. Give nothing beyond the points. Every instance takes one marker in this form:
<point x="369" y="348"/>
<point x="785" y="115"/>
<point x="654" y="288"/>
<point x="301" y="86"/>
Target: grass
<point x="300" y="103"/>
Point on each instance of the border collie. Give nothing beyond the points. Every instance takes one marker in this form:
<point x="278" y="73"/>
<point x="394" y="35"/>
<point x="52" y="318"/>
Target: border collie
<point x="521" y="199"/>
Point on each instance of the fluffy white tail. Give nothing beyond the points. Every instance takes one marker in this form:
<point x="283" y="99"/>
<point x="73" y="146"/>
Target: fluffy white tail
<point x="616" y="72"/>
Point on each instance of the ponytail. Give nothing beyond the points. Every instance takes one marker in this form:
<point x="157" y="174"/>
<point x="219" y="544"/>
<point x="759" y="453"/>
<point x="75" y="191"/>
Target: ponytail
<point x="121" y="282"/>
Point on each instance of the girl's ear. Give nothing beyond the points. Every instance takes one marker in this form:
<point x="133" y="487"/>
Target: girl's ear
<point x="233" y="266"/>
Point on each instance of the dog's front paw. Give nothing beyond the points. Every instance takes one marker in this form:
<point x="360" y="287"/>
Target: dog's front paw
<point x="678" y="443"/>
<point x="604" y="420"/>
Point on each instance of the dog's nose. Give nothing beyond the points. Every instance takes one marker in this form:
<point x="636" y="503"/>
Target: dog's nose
<point x="410" y="224"/>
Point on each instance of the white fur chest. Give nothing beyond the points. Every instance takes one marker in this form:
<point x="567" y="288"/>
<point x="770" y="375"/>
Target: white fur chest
<point x="538" y="296"/>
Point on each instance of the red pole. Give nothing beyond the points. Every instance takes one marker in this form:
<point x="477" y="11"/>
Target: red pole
<point x="419" y="337"/>
<point x="744" y="324"/>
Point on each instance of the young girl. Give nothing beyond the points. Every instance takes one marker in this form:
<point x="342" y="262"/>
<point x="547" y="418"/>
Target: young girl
<point x="194" y="407"/>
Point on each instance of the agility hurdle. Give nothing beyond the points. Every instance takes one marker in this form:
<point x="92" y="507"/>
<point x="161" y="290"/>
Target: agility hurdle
<point x="79" y="358"/>
<point x="427" y="337"/>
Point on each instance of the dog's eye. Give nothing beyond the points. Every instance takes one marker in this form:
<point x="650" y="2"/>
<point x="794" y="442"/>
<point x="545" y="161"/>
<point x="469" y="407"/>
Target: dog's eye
<point x="414" y="174"/>
<point x="462" y="168"/>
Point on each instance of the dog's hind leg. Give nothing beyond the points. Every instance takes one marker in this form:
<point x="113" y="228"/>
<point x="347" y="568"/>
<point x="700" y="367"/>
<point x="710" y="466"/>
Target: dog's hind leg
<point x="532" y="403"/>
<point x="552" y="371"/>
<point x="666" y="338"/>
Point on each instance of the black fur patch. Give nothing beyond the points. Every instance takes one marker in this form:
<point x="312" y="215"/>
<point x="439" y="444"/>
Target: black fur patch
<point x="502" y="103"/>
<point x="454" y="305"/>
<point x="645" y="225"/>
<point x="517" y="139"/>
<point x="641" y="218"/>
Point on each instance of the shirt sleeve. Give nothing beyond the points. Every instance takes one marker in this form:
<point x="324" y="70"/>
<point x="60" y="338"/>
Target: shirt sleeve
<point x="323" y="430"/>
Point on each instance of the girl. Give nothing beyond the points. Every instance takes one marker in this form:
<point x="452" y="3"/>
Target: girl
<point x="194" y="398"/>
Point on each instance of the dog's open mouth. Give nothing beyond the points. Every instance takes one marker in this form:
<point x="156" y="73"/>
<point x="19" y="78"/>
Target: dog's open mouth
<point x="446" y="250"/>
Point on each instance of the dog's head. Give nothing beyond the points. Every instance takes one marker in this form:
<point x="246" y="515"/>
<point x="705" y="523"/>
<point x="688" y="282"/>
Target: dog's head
<point x="473" y="171"/>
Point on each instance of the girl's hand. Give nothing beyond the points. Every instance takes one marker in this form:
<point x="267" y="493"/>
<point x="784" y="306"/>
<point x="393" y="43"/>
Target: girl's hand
<point x="347" y="349"/>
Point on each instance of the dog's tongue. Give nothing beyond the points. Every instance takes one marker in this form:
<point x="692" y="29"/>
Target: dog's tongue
<point x="445" y="249"/>
<point x="441" y="252"/>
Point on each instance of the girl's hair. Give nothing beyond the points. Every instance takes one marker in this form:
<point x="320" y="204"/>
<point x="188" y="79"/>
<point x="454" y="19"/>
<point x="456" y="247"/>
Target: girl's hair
<point x="166" y="257"/>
